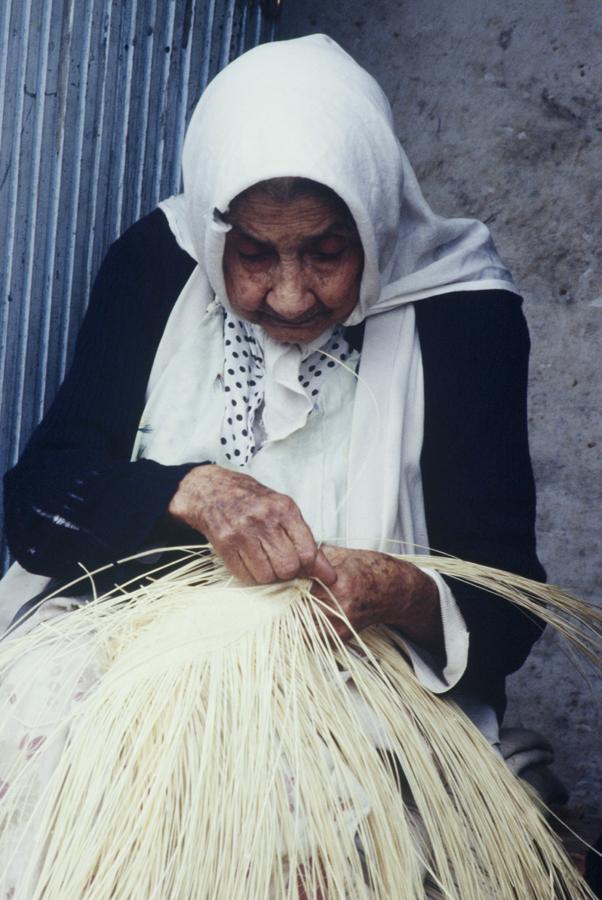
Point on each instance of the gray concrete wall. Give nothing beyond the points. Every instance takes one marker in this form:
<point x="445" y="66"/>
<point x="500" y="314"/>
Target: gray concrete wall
<point x="499" y="106"/>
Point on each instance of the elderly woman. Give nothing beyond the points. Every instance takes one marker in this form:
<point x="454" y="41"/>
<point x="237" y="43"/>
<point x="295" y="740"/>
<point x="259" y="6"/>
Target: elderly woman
<point x="297" y="361"/>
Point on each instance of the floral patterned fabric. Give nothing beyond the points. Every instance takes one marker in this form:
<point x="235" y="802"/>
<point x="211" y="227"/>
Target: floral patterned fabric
<point x="35" y="698"/>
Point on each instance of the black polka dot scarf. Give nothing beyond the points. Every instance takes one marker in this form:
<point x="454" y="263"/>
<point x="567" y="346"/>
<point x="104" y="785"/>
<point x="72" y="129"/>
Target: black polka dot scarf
<point x="244" y="373"/>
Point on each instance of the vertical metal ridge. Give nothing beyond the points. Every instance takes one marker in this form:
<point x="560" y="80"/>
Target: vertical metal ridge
<point x="98" y="126"/>
<point x="147" y="41"/>
<point x="154" y="108"/>
<point x="206" y="45"/>
<point x="242" y="34"/>
<point x="182" y="116"/>
<point x="67" y="295"/>
<point x="54" y="190"/>
<point x="10" y="208"/>
<point x="39" y="92"/>
<point x="227" y="28"/>
<point x="115" y="136"/>
<point x="272" y="31"/>
<point x="131" y="53"/>
<point x="258" y="24"/>
<point x="163" y="82"/>
<point x="5" y="15"/>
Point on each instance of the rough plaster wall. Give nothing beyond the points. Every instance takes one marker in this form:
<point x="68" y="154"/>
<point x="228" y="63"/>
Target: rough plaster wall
<point x="499" y="106"/>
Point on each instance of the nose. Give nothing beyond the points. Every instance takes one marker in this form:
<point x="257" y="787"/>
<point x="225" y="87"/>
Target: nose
<point x="290" y="296"/>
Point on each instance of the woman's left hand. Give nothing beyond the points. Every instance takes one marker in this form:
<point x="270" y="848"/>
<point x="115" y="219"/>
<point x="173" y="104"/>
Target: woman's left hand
<point x="377" y="589"/>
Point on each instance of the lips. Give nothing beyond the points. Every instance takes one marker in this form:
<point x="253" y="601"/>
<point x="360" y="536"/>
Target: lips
<point x="299" y="322"/>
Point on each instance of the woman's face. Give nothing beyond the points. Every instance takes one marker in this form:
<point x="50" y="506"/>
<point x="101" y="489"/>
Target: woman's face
<point x="293" y="267"/>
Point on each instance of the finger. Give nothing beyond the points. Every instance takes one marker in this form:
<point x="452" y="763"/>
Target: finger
<point x="303" y="540"/>
<point x="323" y="569"/>
<point x="319" y="592"/>
<point x="325" y="593"/>
<point x="333" y="553"/>
<point x="236" y="566"/>
<point x="283" y="555"/>
<point x="257" y="563"/>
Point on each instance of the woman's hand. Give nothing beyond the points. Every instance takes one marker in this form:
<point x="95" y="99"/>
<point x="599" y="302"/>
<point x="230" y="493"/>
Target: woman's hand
<point x="376" y="589"/>
<point x="260" y="534"/>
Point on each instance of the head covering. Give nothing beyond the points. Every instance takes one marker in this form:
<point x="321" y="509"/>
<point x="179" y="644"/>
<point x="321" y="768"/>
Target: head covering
<point x="305" y="108"/>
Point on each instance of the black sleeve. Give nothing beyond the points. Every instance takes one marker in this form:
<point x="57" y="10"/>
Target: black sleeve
<point x="477" y="477"/>
<point x="75" y="496"/>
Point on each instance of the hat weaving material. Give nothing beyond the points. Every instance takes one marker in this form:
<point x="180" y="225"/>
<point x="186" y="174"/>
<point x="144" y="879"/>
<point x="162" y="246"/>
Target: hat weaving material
<point x="234" y="747"/>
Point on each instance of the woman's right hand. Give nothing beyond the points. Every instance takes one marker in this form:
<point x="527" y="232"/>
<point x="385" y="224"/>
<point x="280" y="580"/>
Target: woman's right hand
<point x="260" y="534"/>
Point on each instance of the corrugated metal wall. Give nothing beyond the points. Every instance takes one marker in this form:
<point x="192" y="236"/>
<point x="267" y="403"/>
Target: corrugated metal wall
<point x="95" y="96"/>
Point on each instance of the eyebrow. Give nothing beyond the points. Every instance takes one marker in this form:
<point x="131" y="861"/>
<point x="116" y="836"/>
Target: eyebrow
<point x="338" y="226"/>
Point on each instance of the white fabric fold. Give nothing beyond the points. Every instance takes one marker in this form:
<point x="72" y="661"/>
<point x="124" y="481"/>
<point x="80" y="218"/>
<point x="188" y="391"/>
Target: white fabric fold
<point x="432" y="675"/>
<point x="17" y="587"/>
<point x="286" y="403"/>
<point x="385" y="507"/>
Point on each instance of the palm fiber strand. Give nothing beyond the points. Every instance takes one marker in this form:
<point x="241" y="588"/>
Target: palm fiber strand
<point x="231" y="747"/>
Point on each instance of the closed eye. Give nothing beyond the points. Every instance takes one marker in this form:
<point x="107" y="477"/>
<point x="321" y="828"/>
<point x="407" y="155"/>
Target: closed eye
<point x="328" y="248"/>
<point x="321" y="256"/>
<point x="256" y="256"/>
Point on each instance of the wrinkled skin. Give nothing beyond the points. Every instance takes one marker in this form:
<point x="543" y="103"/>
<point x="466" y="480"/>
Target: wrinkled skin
<point x="375" y="589"/>
<point x="260" y="534"/>
<point x="294" y="268"/>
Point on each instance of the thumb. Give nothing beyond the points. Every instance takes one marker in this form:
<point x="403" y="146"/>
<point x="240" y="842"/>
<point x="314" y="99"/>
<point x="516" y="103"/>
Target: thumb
<point x="323" y="570"/>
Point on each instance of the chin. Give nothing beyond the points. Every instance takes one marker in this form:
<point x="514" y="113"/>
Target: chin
<point x="290" y="334"/>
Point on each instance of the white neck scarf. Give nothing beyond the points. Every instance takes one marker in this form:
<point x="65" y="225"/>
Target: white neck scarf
<point x="254" y="411"/>
<point x="304" y="108"/>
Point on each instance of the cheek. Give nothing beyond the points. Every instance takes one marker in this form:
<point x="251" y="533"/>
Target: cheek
<point x="340" y="290"/>
<point x="245" y="290"/>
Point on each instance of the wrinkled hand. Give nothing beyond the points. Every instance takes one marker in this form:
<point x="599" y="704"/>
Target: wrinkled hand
<point x="260" y="534"/>
<point x="376" y="589"/>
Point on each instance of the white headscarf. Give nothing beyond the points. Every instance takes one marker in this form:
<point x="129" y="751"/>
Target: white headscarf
<point x="305" y="108"/>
